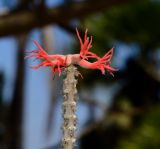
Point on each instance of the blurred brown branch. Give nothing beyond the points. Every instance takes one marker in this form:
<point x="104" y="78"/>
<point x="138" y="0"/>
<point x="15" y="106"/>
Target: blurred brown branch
<point x="23" y="21"/>
<point x="47" y="40"/>
<point x="13" y="136"/>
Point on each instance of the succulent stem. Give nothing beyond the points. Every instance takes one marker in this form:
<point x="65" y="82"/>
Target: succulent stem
<point x="69" y="108"/>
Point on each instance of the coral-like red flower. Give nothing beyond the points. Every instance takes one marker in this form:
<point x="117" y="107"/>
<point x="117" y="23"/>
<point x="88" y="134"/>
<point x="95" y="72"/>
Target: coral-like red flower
<point x="59" y="62"/>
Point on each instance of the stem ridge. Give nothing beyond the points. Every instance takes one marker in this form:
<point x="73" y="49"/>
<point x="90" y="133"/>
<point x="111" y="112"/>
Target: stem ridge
<point x="69" y="108"/>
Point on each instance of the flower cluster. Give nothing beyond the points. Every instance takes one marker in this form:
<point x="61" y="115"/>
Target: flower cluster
<point x="59" y="62"/>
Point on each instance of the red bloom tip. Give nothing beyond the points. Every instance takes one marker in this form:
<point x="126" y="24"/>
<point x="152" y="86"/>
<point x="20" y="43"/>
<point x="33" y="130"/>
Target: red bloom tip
<point x="85" y="46"/>
<point x="59" y="62"/>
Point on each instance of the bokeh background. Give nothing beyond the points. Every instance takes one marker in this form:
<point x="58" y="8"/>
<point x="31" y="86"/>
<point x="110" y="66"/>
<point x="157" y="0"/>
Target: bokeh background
<point x="120" y="112"/>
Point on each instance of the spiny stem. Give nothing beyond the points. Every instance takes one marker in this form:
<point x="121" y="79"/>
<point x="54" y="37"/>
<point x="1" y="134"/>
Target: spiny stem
<point x="69" y="108"/>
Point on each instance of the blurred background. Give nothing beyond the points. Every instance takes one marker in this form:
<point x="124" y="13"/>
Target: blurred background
<point x="120" y="112"/>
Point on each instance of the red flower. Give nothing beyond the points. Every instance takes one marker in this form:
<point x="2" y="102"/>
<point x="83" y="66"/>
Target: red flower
<point x="58" y="62"/>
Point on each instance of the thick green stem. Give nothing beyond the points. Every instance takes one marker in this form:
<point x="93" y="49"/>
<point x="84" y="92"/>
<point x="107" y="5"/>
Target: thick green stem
<point x="69" y="108"/>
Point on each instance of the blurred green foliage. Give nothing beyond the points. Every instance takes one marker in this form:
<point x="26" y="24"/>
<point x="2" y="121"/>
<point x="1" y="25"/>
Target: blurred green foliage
<point x="147" y="135"/>
<point x="139" y="114"/>
<point x="134" y="22"/>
